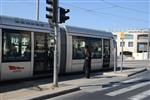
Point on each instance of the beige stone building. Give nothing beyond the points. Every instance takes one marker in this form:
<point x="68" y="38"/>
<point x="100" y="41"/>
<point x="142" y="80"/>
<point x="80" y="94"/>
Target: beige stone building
<point x="136" y="44"/>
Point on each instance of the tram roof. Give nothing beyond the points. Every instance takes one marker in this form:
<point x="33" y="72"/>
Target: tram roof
<point x="87" y="31"/>
<point x="38" y="26"/>
<point x="23" y="24"/>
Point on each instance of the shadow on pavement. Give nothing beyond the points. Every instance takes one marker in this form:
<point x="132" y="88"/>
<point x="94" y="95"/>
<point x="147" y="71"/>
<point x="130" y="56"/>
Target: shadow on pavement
<point x="35" y="82"/>
<point x="13" y="85"/>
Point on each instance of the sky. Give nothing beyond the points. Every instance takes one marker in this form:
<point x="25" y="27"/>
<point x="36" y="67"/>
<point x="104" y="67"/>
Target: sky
<point x="110" y="15"/>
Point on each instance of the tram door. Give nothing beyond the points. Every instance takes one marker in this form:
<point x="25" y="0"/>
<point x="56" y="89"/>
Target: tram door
<point x="106" y="53"/>
<point x="43" y="55"/>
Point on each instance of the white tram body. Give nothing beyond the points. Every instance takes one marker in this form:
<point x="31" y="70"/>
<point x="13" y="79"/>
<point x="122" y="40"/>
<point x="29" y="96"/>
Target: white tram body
<point x="26" y="48"/>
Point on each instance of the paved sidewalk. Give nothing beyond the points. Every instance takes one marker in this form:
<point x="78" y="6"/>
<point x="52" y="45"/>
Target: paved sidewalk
<point x="37" y="92"/>
<point x="40" y="92"/>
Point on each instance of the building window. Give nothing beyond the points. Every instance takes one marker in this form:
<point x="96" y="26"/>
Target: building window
<point x="130" y="44"/>
<point x="122" y="44"/>
<point x="16" y="46"/>
<point x="128" y="36"/>
<point x="141" y="47"/>
<point x="143" y="36"/>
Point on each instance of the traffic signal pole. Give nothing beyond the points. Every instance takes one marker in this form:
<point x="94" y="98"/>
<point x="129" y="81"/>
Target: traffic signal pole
<point x="52" y="9"/>
<point x="55" y="76"/>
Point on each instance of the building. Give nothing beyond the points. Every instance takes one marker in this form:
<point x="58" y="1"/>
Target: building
<point x="136" y="44"/>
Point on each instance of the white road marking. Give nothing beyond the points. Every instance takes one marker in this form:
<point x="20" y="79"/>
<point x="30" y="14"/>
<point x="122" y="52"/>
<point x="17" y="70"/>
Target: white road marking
<point x="141" y="96"/>
<point x="130" y="88"/>
<point x="132" y="80"/>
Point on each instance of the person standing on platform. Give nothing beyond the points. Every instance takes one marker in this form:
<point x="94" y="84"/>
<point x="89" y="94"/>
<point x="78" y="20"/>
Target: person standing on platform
<point x="87" y="62"/>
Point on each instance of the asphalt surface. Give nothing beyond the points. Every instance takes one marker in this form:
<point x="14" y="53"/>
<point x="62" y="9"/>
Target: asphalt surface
<point x="135" y="88"/>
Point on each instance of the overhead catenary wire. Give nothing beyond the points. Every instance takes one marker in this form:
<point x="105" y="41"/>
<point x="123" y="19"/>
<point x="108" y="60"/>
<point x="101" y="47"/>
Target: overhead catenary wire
<point x="105" y="13"/>
<point x="127" y="8"/>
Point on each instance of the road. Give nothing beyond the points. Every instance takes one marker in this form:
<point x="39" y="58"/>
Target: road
<point x="136" y="87"/>
<point x="97" y="87"/>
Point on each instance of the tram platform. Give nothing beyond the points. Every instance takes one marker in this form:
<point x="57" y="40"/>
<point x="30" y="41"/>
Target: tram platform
<point x="125" y="73"/>
<point x="32" y="90"/>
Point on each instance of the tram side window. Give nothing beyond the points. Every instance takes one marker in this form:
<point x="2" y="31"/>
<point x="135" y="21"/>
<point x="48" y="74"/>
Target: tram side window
<point x="96" y="48"/>
<point x="78" y="47"/>
<point x="79" y="44"/>
<point x="16" y="46"/>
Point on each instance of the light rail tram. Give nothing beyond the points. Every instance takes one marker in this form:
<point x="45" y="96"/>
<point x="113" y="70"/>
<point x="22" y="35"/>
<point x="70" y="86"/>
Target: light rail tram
<point x="26" y="48"/>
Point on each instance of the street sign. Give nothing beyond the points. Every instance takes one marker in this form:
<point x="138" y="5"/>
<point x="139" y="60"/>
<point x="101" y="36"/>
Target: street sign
<point x="121" y="35"/>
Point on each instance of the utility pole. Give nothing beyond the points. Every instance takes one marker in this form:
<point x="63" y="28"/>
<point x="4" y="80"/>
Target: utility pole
<point x="52" y="9"/>
<point x="37" y="9"/>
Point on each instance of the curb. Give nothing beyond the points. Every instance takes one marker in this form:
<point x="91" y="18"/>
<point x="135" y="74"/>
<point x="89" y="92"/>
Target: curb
<point x="145" y="69"/>
<point x="124" y="74"/>
<point x="56" y="93"/>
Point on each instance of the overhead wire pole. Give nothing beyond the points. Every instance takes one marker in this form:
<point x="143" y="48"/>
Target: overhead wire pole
<point x="37" y="9"/>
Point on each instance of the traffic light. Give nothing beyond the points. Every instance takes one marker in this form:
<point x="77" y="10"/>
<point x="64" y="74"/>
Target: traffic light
<point x="62" y="15"/>
<point x="51" y="9"/>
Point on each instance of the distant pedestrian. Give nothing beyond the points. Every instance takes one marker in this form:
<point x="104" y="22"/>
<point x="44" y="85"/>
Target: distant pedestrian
<point x="87" y="62"/>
